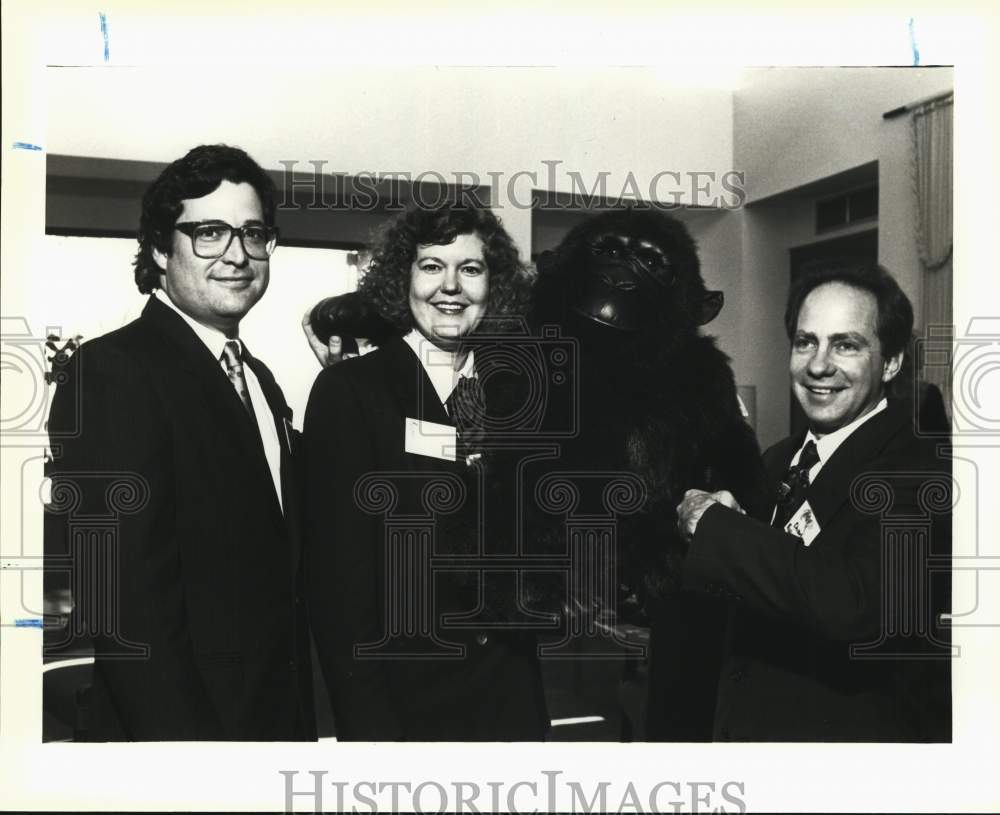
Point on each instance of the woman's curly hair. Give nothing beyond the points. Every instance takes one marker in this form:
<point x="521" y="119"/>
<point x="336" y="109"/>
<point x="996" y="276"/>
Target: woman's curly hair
<point x="386" y="284"/>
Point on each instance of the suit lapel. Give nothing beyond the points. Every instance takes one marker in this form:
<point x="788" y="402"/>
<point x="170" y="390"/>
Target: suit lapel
<point x="193" y="355"/>
<point x="831" y="489"/>
<point x="196" y="358"/>
<point x="779" y="457"/>
<point x="410" y="385"/>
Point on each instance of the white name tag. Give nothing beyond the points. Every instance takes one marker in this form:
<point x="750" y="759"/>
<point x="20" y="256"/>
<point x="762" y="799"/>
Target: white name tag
<point x="430" y="439"/>
<point x="803" y="524"/>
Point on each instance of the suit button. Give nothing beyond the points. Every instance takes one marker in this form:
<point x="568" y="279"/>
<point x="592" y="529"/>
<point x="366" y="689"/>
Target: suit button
<point x="724" y="733"/>
<point x="736" y="676"/>
<point x="482" y="639"/>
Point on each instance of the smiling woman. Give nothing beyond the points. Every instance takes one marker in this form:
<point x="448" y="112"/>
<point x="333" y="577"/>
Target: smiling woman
<point x="420" y="236"/>
<point x="389" y="424"/>
<point x="449" y="289"/>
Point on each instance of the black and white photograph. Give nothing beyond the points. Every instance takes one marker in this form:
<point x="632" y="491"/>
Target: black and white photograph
<point x="392" y="428"/>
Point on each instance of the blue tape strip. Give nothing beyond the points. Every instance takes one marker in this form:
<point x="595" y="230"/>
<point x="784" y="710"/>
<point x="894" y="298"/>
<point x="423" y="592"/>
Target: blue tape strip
<point x="913" y="43"/>
<point x="33" y="622"/>
<point x="104" y="33"/>
<point x="23" y="145"/>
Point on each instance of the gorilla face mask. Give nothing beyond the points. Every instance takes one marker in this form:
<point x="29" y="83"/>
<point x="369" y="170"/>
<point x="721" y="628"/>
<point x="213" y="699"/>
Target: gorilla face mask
<point x="621" y="276"/>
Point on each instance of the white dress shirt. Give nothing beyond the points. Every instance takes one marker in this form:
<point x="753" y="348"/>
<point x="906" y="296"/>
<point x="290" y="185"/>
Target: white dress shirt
<point x="215" y="341"/>
<point x="827" y="445"/>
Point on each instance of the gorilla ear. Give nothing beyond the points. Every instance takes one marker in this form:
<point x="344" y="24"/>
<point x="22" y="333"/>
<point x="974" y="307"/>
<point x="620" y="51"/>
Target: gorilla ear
<point x="711" y="305"/>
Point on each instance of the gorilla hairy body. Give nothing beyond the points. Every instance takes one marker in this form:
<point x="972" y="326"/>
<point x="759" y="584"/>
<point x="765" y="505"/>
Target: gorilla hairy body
<point x="656" y="398"/>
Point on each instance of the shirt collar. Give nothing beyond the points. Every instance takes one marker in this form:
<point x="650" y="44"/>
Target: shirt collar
<point x="438" y="364"/>
<point x="827" y="445"/>
<point x="214" y="339"/>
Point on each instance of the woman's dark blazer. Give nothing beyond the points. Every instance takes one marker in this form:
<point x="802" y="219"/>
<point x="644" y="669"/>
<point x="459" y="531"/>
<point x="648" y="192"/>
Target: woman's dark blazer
<point x="453" y="684"/>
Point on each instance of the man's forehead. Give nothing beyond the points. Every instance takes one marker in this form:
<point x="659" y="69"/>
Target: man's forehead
<point x="839" y="308"/>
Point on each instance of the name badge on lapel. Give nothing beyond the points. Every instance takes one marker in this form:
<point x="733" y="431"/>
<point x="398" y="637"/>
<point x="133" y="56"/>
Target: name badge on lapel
<point x="803" y="524"/>
<point x="430" y="439"/>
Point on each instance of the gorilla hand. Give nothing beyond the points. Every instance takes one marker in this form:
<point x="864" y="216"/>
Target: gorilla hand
<point x="343" y="327"/>
<point x="328" y="353"/>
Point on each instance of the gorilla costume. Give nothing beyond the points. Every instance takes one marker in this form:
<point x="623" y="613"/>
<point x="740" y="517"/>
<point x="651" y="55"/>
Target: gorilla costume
<point x="654" y="398"/>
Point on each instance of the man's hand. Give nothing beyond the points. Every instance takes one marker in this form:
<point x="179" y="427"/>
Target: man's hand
<point x="328" y="353"/>
<point x="690" y="510"/>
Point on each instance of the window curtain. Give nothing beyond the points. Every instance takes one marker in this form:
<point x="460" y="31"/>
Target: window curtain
<point x="932" y="150"/>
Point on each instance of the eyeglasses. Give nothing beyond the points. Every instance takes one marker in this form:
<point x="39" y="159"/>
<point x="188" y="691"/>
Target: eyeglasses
<point x="211" y="239"/>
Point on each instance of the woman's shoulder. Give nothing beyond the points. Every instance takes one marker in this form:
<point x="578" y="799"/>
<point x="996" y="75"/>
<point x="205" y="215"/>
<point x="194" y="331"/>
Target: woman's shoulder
<point x="364" y="372"/>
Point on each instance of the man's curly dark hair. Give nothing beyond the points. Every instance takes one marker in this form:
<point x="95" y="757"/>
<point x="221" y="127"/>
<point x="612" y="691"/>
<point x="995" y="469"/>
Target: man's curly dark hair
<point x="197" y="174"/>
<point x="386" y="284"/>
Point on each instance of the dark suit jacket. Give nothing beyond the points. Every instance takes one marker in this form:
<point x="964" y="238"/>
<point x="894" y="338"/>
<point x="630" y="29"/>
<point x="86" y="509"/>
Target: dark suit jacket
<point x="207" y="565"/>
<point x="491" y="690"/>
<point x="797" y="609"/>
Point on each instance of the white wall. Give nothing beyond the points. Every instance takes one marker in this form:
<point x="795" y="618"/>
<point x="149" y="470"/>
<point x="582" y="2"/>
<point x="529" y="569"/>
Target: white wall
<point x="615" y="124"/>
<point x="768" y="231"/>
<point x="719" y="242"/>
<point x="415" y="120"/>
<point x="797" y="125"/>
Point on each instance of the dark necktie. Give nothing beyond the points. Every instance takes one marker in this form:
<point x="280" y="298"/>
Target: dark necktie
<point x="792" y="491"/>
<point x="467" y="409"/>
<point x="233" y="357"/>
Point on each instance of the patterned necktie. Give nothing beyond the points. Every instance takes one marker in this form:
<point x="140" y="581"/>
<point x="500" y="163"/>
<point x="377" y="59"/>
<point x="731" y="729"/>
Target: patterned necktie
<point x="792" y="491"/>
<point x="232" y="356"/>
<point x="467" y="409"/>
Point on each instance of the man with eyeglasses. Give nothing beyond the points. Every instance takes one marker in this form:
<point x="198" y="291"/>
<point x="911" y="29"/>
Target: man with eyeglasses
<point x="193" y="605"/>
